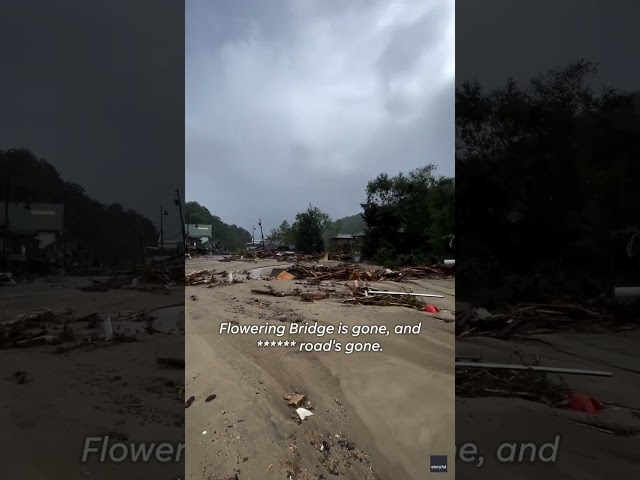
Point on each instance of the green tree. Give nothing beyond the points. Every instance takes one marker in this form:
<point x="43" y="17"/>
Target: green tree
<point x="308" y="230"/>
<point x="283" y="234"/>
<point x="408" y="216"/>
<point x="547" y="172"/>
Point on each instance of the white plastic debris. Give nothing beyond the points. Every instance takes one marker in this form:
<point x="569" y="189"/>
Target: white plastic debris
<point x="204" y="433"/>
<point x="108" y="328"/>
<point x="303" y="413"/>
<point x="230" y="277"/>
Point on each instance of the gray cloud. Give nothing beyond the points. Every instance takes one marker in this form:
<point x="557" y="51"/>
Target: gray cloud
<point x="497" y="39"/>
<point x="297" y="102"/>
<point x="97" y="88"/>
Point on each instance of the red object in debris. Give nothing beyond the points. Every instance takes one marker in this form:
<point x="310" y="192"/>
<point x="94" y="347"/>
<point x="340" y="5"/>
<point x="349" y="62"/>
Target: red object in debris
<point x="431" y="309"/>
<point x="581" y="402"/>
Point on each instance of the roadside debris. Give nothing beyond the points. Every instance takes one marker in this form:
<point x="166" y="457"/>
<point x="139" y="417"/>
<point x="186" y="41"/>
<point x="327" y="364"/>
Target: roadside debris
<point x="384" y="292"/>
<point x="541" y="318"/>
<point x="297" y="400"/>
<point x="268" y="290"/>
<point x="363" y="296"/>
<point x="505" y="366"/>
<point x="581" y="402"/>
<point x="210" y="398"/>
<point x="526" y="384"/>
<point x="190" y="401"/>
<point x="359" y="295"/>
<point x="67" y="331"/>
<point x="355" y="272"/>
<point x="140" y="277"/>
<point x="199" y="277"/>
<point x="6" y="279"/>
<point x="303" y="413"/>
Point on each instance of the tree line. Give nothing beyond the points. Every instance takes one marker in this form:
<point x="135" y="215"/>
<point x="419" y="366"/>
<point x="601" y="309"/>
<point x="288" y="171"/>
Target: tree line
<point x="409" y="219"/>
<point x="93" y="231"/>
<point x="547" y="183"/>
<point x="228" y="237"/>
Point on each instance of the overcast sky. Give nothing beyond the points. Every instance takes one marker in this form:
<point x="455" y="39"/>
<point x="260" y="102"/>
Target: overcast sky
<point x="496" y="39"/>
<point x="291" y="102"/>
<point x="97" y="88"/>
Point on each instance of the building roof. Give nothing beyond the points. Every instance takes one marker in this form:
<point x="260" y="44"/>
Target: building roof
<point x="197" y="230"/>
<point x="343" y="236"/>
<point x="33" y="218"/>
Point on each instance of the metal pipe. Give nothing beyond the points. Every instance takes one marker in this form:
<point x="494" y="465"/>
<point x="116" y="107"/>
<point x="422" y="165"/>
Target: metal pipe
<point x="505" y="366"/>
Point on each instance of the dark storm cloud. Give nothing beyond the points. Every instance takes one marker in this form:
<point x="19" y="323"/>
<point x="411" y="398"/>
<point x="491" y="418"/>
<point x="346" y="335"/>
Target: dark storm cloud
<point x="93" y="88"/>
<point x="291" y="103"/>
<point x="497" y="39"/>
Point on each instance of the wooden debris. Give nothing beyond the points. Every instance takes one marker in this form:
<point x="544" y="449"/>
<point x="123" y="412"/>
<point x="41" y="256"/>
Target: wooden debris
<point x="269" y="291"/>
<point x="141" y="277"/>
<point x="297" y="400"/>
<point x="199" y="277"/>
<point x="526" y="384"/>
<point x="541" y="318"/>
<point x="506" y="366"/>
<point x="382" y="292"/>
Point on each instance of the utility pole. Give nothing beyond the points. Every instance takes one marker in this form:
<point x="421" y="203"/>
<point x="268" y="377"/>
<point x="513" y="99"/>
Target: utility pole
<point x="261" y="233"/>
<point x="163" y="212"/>
<point x="253" y="235"/>
<point x="184" y="234"/>
<point x="5" y="235"/>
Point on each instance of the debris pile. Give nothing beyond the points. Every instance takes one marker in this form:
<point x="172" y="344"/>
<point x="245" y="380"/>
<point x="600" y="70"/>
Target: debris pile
<point x="254" y="255"/>
<point x="6" y="280"/>
<point x="36" y="328"/>
<point x="355" y="272"/>
<point x="140" y="277"/>
<point x="303" y="407"/>
<point x="65" y="331"/>
<point x="340" y="257"/>
<point x="358" y="294"/>
<point x="538" y="318"/>
<point x="526" y="384"/>
<point x="362" y="295"/>
<point x="199" y="277"/>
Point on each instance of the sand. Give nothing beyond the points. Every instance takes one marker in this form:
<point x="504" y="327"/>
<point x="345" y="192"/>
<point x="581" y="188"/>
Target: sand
<point x="584" y="453"/>
<point x="395" y="406"/>
<point x="118" y="390"/>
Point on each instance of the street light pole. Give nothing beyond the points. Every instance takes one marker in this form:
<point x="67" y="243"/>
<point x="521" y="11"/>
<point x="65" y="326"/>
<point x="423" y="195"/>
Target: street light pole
<point x="161" y="230"/>
<point x="5" y="235"/>
<point x="184" y="234"/>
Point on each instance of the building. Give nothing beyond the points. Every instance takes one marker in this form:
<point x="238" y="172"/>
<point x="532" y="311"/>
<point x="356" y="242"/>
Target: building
<point x="199" y="238"/>
<point x="31" y="236"/>
<point x="347" y="242"/>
